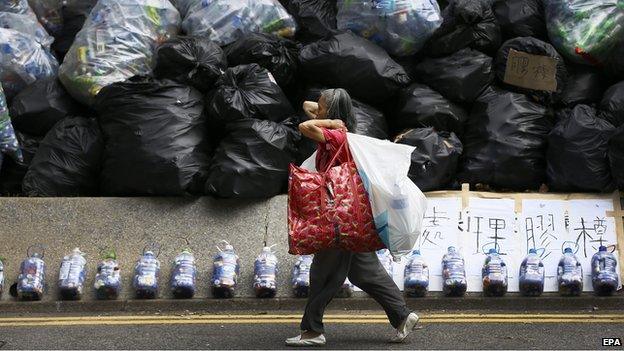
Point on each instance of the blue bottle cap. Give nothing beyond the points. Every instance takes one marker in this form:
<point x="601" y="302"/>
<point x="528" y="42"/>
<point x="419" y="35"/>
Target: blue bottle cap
<point x="602" y="248"/>
<point x="532" y="251"/>
<point x="451" y="248"/>
<point x="567" y="250"/>
<point x="492" y="251"/>
<point x="416" y="252"/>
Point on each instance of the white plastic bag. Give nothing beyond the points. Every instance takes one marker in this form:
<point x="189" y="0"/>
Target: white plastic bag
<point x="397" y="203"/>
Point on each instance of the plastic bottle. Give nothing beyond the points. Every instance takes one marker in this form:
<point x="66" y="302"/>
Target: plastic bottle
<point x="183" y="275"/>
<point x="146" y="274"/>
<point x="31" y="280"/>
<point x="108" y="278"/>
<point x="386" y="260"/>
<point x="453" y="273"/>
<point x="226" y="268"/>
<point x="416" y="281"/>
<point x="265" y="274"/>
<point x="301" y="276"/>
<point x="604" y="272"/>
<point x="72" y="275"/>
<point x="346" y="290"/>
<point x="531" y="277"/>
<point x="1" y="276"/>
<point x="569" y="274"/>
<point x="494" y="275"/>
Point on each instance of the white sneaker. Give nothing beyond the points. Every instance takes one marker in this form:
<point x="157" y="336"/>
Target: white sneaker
<point x="298" y="341"/>
<point x="405" y="328"/>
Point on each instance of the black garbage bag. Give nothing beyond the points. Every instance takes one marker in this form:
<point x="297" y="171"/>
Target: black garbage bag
<point x="419" y="106"/>
<point x="460" y="77"/>
<point x="505" y="141"/>
<point x="578" y="149"/>
<point x="12" y="173"/>
<point x="195" y="61"/>
<point x="537" y="47"/>
<point x="276" y="54"/>
<point x="68" y="160"/>
<point x="369" y="121"/>
<point x="155" y="138"/>
<point x="248" y="91"/>
<point x="37" y="108"/>
<point x="252" y="160"/>
<point x="520" y="18"/>
<point x="585" y="85"/>
<point x="434" y="162"/>
<point x="347" y="61"/>
<point x="612" y="105"/>
<point x="616" y="157"/>
<point x="315" y="18"/>
<point x="467" y="23"/>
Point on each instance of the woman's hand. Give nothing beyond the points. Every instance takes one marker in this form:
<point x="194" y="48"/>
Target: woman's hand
<point x="311" y="109"/>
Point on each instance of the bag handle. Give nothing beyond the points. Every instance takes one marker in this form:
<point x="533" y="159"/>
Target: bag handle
<point x="335" y="157"/>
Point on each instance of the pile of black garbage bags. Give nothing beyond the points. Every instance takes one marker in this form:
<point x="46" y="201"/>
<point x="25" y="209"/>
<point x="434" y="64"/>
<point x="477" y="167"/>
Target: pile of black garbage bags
<point x="490" y="97"/>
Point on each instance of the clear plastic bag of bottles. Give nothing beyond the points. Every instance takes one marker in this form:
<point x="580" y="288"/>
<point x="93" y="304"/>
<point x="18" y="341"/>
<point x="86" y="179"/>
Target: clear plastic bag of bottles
<point x="8" y="140"/>
<point x="224" y="21"/>
<point x="26" y="25"/>
<point x="72" y="275"/>
<point x="108" y="278"/>
<point x="49" y="14"/>
<point x="16" y="6"/>
<point x="23" y="61"/>
<point x="400" y="26"/>
<point x="586" y="31"/>
<point x="117" y="41"/>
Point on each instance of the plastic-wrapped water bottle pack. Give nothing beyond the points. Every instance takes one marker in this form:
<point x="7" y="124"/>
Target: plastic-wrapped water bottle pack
<point x="224" y="21"/>
<point x="117" y="41"/>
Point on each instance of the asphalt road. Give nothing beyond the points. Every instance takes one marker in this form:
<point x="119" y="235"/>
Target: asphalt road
<point x="359" y="330"/>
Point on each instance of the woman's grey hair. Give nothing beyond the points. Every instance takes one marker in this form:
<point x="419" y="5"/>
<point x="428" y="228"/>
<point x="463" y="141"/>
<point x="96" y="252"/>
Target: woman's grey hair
<point x="339" y="106"/>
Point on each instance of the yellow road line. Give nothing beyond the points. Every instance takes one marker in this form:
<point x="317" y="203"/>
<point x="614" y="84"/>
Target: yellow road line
<point x="293" y="319"/>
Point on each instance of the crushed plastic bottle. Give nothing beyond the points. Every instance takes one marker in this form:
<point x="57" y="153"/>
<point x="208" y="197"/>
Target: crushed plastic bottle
<point x="146" y="274"/>
<point x="72" y="275"/>
<point x="108" y="278"/>
<point x="226" y="268"/>
<point x="265" y="274"/>
<point x="183" y="275"/>
<point x="604" y="272"/>
<point x="416" y="278"/>
<point x="31" y="280"/>
<point x="494" y="275"/>
<point x="453" y="273"/>
<point x="531" y="277"/>
<point x="346" y="290"/>
<point x="569" y="274"/>
<point x="386" y="260"/>
<point x="301" y="276"/>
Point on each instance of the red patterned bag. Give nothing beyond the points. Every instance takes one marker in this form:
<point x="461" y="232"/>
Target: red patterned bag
<point x="330" y="209"/>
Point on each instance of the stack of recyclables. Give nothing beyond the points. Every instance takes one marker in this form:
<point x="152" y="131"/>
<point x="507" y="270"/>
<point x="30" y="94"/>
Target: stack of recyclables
<point x="118" y="41"/>
<point x="224" y="21"/>
<point x="400" y="26"/>
<point x="586" y="31"/>
<point x="26" y="24"/>
<point x="16" y="6"/>
<point x="49" y="14"/>
<point x="8" y="140"/>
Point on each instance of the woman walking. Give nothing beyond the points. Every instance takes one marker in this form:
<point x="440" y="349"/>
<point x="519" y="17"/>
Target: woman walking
<point x="331" y="117"/>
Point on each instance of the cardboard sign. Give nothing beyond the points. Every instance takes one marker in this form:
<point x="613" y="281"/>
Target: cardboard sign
<point x="531" y="71"/>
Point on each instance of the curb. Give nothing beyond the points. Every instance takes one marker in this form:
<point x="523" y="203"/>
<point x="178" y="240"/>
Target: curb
<point x="582" y="303"/>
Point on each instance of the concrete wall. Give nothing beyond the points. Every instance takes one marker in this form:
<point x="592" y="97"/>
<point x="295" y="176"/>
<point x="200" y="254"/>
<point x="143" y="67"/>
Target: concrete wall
<point x="127" y="224"/>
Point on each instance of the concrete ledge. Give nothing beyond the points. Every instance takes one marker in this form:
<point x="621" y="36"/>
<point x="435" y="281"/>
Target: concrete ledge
<point x="585" y="303"/>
